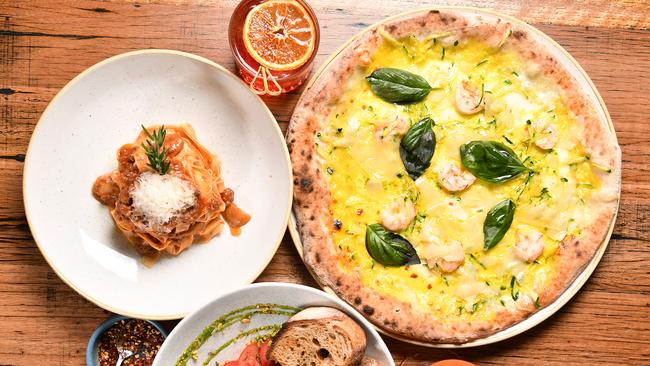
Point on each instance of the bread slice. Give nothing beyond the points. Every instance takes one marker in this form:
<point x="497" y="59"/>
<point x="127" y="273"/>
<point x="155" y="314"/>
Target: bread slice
<point x="319" y="336"/>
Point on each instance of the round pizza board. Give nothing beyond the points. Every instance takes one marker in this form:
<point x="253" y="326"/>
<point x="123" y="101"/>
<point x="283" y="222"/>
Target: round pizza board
<point x="590" y="91"/>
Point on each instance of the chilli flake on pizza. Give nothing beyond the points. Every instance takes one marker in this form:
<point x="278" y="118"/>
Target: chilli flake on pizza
<point x="451" y="176"/>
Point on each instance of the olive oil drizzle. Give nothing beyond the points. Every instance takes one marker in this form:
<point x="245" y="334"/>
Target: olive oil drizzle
<point x="228" y="319"/>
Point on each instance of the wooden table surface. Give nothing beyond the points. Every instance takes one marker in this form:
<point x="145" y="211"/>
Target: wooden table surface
<point x="44" y="44"/>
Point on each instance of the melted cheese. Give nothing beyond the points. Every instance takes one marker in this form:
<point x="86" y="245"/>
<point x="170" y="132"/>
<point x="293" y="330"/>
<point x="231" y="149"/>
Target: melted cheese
<point x="366" y="174"/>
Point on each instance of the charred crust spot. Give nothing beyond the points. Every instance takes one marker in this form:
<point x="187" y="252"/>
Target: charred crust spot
<point x="444" y="19"/>
<point x="578" y="253"/>
<point x="292" y="141"/>
<point x="519" y="35"/>
<point x="369" y="310"/>
<point x="312" y="218"/>
<point x="302" y="152"/>
<point x="434" y="11"/>
<point x="338" y="283"/>
<point x="386" y="322"/>
<point x="306" y="185"/>
<point x="357" y="300"/>
<point x="317" y="258"/>
<point x="422" y="23"/>
<point x="392" y="27"/>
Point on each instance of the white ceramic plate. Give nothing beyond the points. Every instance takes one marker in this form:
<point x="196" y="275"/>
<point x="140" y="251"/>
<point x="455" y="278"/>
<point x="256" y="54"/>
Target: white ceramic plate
<point x="76" y="140"/>
<point x="590" y="91"/>
<point x="275" y="293"/>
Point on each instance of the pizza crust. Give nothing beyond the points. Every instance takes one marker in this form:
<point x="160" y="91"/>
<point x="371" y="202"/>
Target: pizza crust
<point x="312" y="196"/>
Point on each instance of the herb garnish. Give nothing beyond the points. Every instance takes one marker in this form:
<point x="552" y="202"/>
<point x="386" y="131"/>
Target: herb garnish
<point x="497" y="222"/>
<point x="417" y="147"/>
<point x="477" y="261"/>
<point x="482" y="95"/>
<point x="155" y="151"/>
<point x="388" y="248"/>
<point x="491" y="161"/>
<point x="398" y="86"/>
<point x="513" y="293"/>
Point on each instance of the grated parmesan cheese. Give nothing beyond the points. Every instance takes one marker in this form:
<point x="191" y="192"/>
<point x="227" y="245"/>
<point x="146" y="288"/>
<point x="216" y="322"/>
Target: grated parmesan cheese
<point x="160" y="197"/>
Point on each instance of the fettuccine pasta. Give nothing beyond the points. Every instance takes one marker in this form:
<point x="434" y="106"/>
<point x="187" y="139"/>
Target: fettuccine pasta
<point x="168" y="212"/>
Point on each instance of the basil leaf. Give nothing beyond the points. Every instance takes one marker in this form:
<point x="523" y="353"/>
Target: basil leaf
<point x="417" y="147"/>
<point x="388" y="248"/>
<point x="491" y="161"/>
<point x="398" y="86"/>
<point x="497" y="222"/>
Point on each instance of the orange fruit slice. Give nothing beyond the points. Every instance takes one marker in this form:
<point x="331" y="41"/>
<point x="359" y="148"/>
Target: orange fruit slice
<point x="279" y="34"/>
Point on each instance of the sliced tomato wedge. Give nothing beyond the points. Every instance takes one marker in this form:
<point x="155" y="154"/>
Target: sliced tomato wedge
<point x="231" y="363"/>
<point x="264" y="347"/>
<point x="250" y="355"/>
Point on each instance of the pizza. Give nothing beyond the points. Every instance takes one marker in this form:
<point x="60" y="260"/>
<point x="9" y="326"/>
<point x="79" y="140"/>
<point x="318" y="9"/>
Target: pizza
<point x="451" y="176"/>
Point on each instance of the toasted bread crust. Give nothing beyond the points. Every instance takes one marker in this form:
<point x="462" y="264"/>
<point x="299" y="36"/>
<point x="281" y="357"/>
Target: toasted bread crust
<point x="327" y="318"/>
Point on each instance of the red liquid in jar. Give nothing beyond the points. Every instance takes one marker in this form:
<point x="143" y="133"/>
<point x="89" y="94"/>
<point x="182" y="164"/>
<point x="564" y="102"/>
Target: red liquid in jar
<point x="248" y="67"/>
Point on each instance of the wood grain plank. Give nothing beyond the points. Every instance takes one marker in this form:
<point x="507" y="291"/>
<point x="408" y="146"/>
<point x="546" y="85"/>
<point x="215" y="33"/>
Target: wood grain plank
<point x="44" y="44"/>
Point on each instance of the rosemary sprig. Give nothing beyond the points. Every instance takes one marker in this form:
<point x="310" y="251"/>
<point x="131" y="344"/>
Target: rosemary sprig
<point x="155" y="151"/>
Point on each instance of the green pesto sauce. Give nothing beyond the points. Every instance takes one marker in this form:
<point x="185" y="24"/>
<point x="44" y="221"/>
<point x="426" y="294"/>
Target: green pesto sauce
<point x="233" y="317"/>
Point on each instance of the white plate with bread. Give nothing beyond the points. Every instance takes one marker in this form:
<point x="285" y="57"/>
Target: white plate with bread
<point x="301" y="324"/>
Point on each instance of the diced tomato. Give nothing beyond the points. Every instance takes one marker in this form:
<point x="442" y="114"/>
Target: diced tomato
<point x="264" y="347"/>
<point x="250" y="356"/>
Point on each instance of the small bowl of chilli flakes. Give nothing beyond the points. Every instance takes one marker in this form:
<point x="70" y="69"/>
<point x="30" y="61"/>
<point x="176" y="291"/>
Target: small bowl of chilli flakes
<point x="133" y="341"/>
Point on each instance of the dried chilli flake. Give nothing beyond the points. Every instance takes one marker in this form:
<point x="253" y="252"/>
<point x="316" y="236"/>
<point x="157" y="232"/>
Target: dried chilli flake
<point x="138" y="336"/>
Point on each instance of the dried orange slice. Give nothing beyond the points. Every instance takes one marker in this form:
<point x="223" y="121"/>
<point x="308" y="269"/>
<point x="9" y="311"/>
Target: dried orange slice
<point x="279" y="34"/>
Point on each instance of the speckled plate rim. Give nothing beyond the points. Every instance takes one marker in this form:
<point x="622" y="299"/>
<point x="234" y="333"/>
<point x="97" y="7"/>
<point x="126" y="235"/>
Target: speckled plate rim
<point x="102" y="63"/>
<point x="586" y="272"/>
